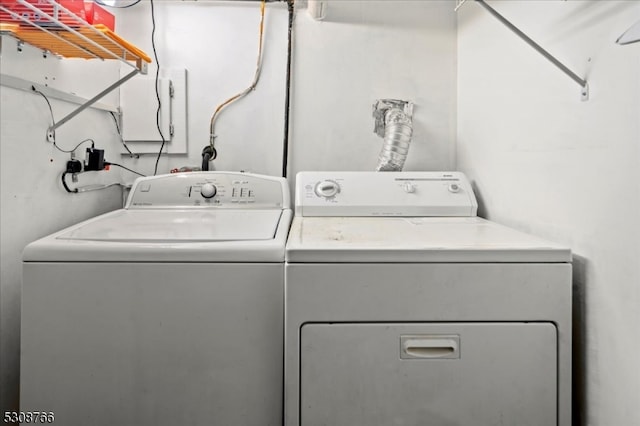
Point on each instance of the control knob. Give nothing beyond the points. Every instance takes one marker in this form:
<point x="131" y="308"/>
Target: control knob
<point x="327" y="188"/>
<point x="409" y="188"/>
<point x="208" y="190"/>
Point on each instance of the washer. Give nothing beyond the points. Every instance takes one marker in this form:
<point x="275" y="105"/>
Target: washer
<point x="402" y="307"/>
<point x="166" y="312"/>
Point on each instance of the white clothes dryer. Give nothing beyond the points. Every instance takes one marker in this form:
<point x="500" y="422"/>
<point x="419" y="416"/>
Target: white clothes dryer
<point x="402" y="307"/>
<point x="166" y="312"/>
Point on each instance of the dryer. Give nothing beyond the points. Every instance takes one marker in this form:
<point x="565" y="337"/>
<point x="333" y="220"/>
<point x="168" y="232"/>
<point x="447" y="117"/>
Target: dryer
<point x="166" y="312"/>
<point x="402" y="307"/>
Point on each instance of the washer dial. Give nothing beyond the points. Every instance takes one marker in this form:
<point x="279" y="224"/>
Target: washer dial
<point x="208" y="190"/>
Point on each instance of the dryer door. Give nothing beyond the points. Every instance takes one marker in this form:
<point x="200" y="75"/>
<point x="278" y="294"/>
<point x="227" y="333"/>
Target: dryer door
<point x="439" y="374"/>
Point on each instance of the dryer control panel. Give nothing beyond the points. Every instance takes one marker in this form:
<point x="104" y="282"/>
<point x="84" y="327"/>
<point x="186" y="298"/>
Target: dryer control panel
<point x="233" y="190"/>
<point x="412" y="194"/>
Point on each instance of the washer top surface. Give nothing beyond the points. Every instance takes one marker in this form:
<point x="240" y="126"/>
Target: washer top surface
<point x="178" y="226"/>
<point x="198" y="217"/>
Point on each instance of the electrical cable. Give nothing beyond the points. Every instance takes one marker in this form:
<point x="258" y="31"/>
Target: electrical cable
<point x="287" y="98"/>
<point x="53" y="122"/>
<point x="117" y="7"/>
<point x="87" y="188"/>
<point x="255" y="80"/>
<point x="107" y="163"/>
<point x="115" y="120"/>
<point x="64" y="183"/>
<point x="240" y="95"/>
<point x="76" y="147"/>
<point x="155" y="55"/>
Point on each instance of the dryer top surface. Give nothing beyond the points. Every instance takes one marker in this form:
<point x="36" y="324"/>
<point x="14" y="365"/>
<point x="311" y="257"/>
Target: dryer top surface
<point x="414" y="239"/>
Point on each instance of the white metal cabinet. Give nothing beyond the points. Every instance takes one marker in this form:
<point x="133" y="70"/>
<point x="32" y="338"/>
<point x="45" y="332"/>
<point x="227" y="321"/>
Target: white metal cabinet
<point x="439" y="374"/>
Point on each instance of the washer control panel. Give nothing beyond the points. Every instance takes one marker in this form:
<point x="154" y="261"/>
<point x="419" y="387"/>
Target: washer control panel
<point x="413" y="194"/>
<point x="209" y="189"/>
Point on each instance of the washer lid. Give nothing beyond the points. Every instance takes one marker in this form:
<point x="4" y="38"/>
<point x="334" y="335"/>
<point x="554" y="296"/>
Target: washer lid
<point x="171" y="226"/>
<point x="413" y="240"/>
<point x="190" y="235"/>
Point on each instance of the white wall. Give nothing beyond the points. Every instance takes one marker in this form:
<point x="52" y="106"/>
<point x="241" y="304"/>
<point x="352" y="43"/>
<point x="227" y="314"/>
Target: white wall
<point x="217" y="43"/>
<point x="547" y="163"/>
<point x="363" y="51"/>
<point x="541" y="160"/>
<point x="33" y="202"/>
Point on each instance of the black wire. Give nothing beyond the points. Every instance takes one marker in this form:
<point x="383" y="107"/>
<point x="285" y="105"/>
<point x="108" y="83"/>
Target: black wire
<point x="53" y="121"/>
<point x="115" y="120"/>
<point x="66" y="187"/>
<point x="76" y="147"/>
<point x="84" y="189"/>
<point x="46" y="99"/>
<point x="155" y="55"/>
<point x="117" y="7"/>
<point x="106" y="163"/>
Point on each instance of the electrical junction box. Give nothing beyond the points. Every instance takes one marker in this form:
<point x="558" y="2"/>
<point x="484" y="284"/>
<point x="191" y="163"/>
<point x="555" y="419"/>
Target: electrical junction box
<point x="139" y="106"/>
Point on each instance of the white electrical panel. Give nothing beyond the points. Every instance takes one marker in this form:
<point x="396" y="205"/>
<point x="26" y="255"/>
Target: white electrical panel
<point x="139" y="105"/>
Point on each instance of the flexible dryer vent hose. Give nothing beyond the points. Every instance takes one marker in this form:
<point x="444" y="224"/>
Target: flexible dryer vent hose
<point x="394" y="124"/>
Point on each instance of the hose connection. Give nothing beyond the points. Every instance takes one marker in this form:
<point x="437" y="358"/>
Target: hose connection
<point x="393" y="123"/>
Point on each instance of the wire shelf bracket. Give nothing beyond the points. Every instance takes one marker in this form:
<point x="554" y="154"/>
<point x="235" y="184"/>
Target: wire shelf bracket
<point x="584" y="85"/>
<point x="83" y="40"/>
<point x="51" y="131"/>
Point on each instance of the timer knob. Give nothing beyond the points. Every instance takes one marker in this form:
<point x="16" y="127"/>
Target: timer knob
<point x="208" y="190"/>
<point x="454" y="187"/>
<point x="327" y="188"/>
<point x="409" y="188"/>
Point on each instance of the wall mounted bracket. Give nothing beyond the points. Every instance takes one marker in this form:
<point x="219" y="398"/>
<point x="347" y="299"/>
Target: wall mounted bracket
<point x="18" y="83"/>
<point x="459" y="4"/>
<point x="584" y="91"/>
<point x="632" y="35"/>
<point x="51" y="131"/>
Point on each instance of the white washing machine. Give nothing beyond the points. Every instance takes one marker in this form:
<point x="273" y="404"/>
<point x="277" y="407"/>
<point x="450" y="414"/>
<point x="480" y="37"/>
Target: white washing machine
<point x="167" y="312"/>
<point x="402" y="307"/>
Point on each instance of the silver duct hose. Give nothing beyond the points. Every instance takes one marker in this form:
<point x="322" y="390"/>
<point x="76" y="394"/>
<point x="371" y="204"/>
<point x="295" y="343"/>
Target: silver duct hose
<point x="393" y="123"/>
